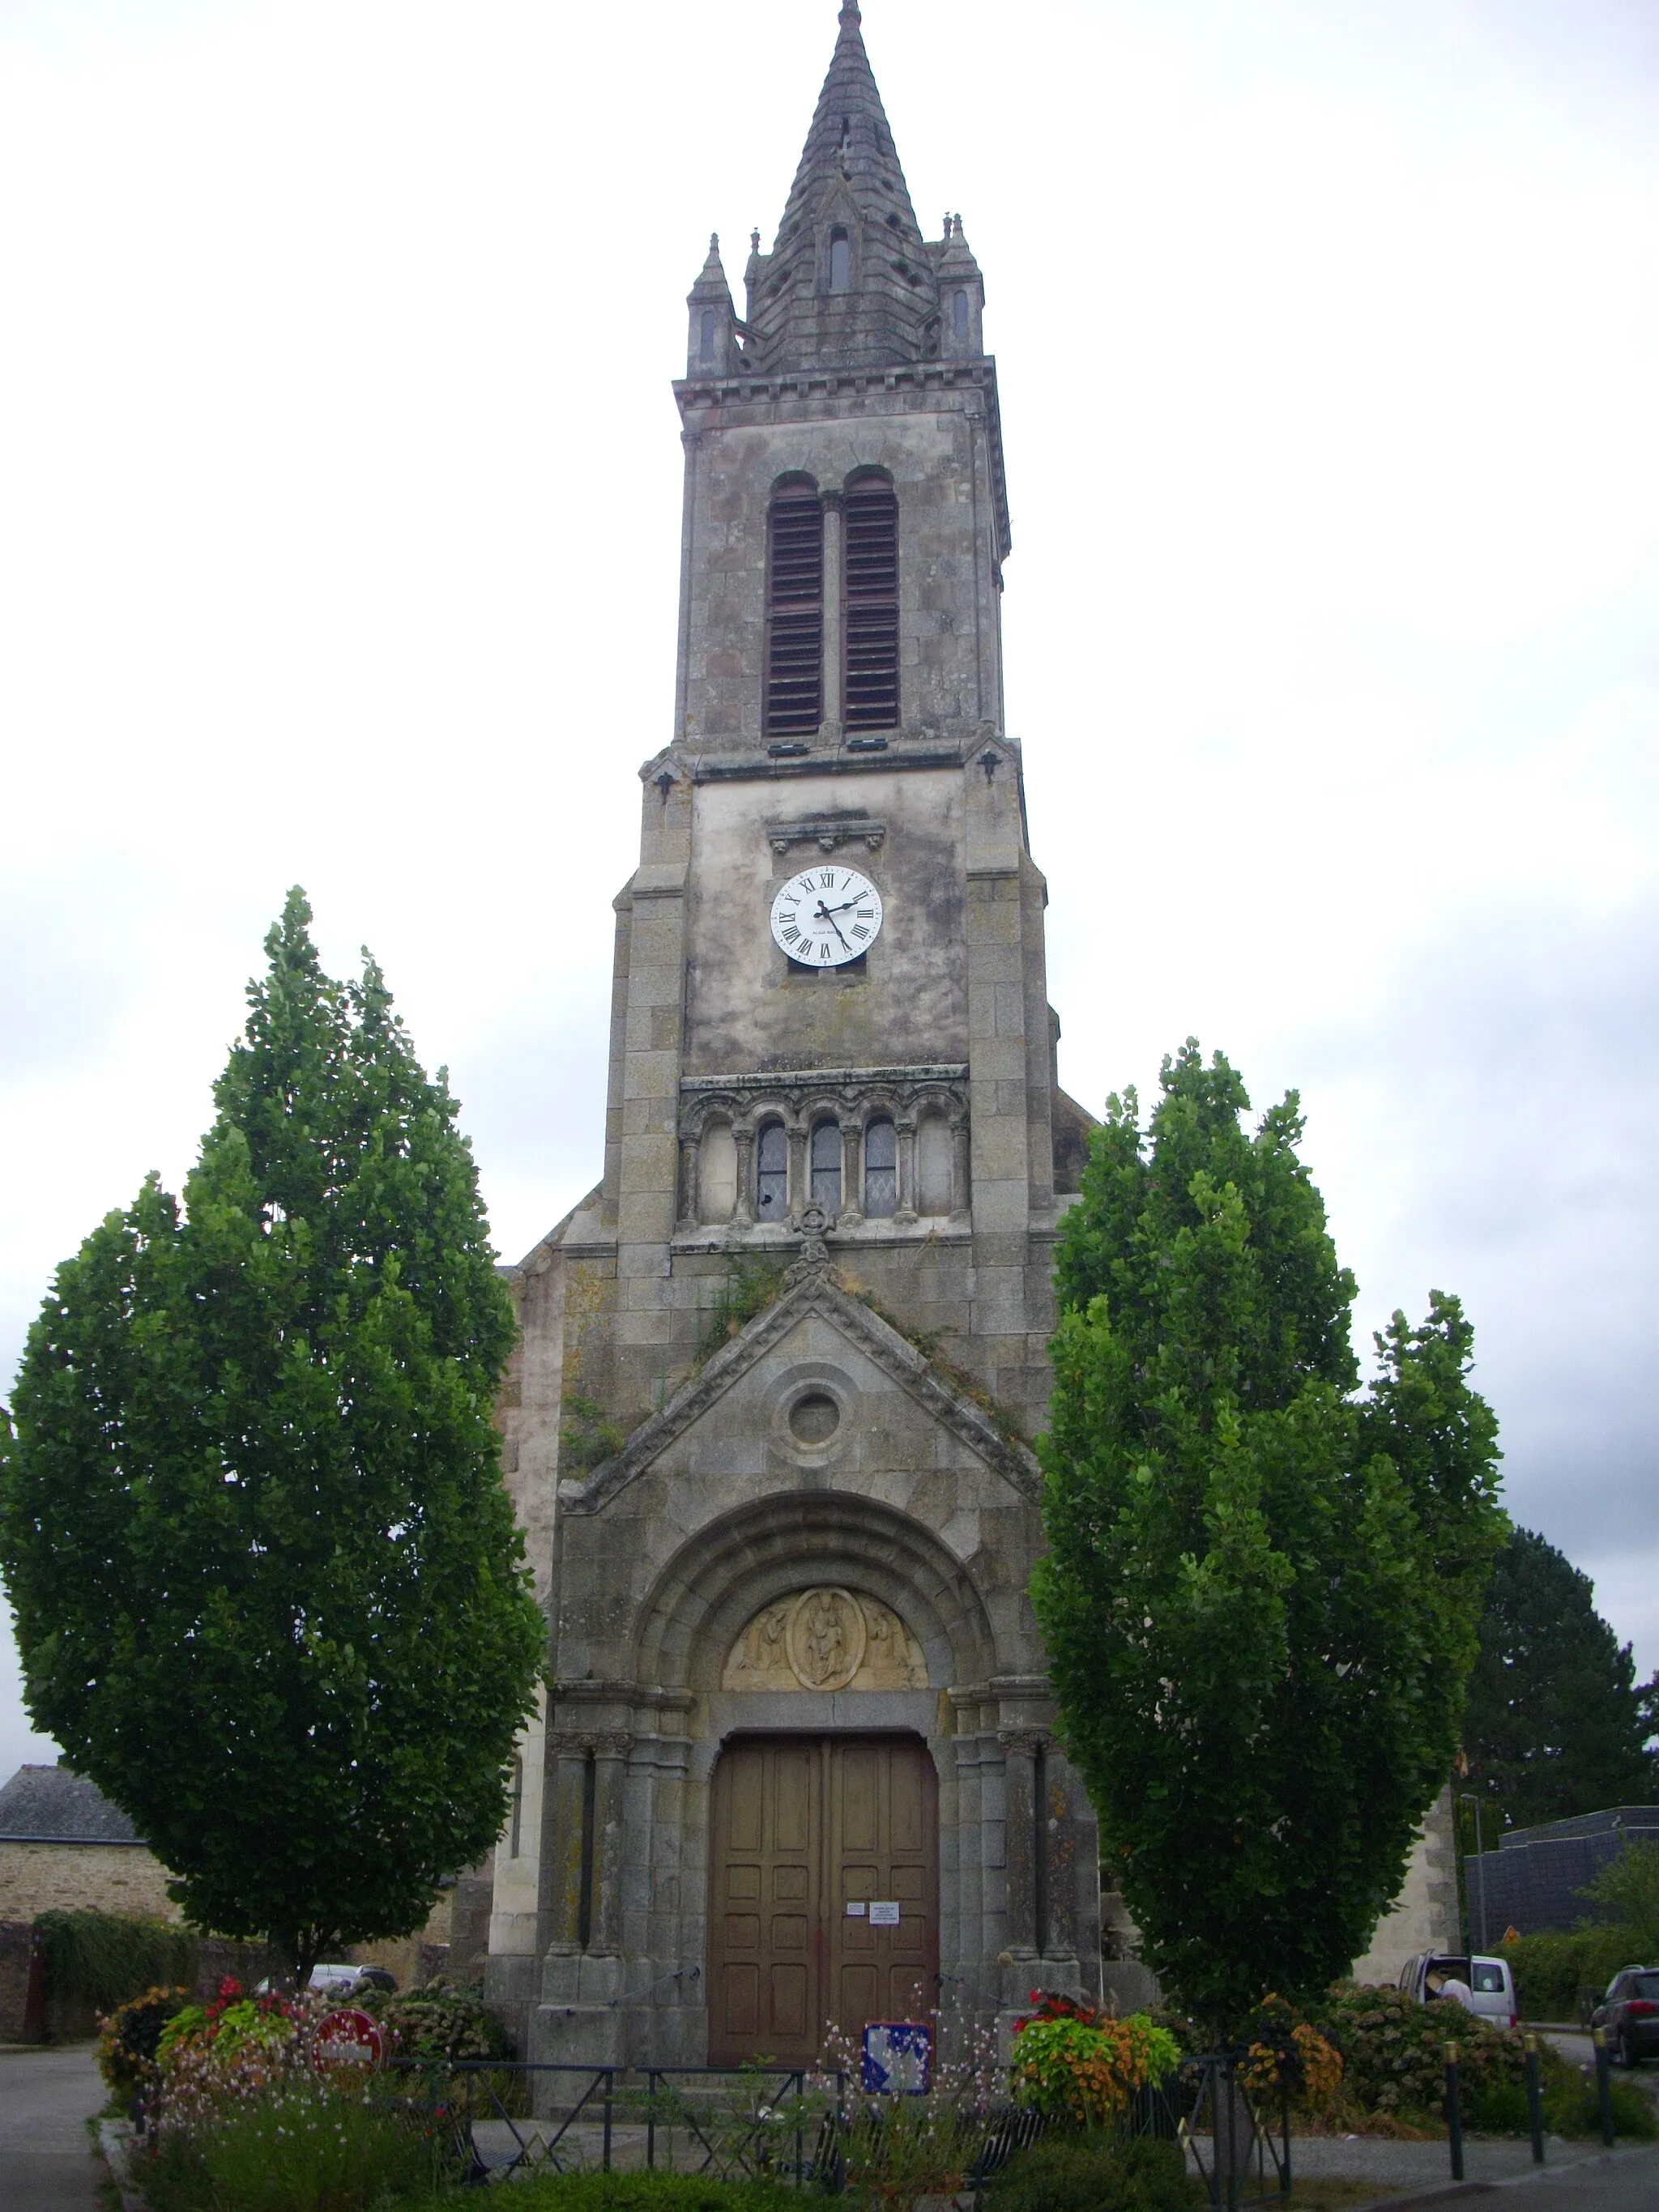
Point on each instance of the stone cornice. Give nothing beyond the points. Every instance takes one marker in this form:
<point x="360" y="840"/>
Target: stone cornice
<point x="827" y="1079"/>
<point x="822" y="760"/>
<point x="817" y="1292"/>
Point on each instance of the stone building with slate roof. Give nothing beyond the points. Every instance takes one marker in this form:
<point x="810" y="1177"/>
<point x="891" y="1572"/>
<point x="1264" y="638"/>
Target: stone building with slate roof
<point x="63" y="1847"/>
<point x="768" y="1428"/>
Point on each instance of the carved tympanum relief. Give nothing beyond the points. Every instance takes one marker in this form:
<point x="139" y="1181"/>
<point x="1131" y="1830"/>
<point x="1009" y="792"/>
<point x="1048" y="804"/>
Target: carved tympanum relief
<point x="825" y="1640"/>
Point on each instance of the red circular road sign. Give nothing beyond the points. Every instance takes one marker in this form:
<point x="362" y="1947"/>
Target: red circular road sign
<point x="347" y="2038"/>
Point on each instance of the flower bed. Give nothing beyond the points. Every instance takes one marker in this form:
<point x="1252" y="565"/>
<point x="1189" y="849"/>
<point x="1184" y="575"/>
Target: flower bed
<point x="1074" y="2062"/>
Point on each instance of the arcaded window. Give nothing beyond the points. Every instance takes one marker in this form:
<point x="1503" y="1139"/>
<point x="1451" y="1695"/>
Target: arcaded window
<point x="933" y="1151"/>
<point x="880" y="1170"/>
<point x="717" y="1173"/>
<point x="826" y="1166"/>
<point x="871" y="627"/>
<point x="794" y="610"/>
<point x="840" y="262"/>
<point x="772" y="1174"/>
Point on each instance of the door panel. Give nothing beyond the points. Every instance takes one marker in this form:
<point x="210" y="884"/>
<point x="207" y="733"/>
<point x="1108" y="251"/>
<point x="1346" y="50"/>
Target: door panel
<point x="884" y="1845"/>
<point x="799" y="1825"/>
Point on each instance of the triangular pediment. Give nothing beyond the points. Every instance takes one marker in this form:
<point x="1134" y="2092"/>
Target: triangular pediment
<point x="817" y="1293"/>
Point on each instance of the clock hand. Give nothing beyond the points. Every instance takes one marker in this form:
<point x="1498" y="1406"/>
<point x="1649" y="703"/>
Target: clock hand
<point x="825" y="914"/>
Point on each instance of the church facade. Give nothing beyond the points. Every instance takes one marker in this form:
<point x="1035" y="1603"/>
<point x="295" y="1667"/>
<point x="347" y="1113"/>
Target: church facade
<point x="767" y="1425"/>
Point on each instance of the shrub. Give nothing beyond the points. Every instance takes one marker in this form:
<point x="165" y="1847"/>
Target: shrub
<point x="1071" y="2061"/>
<point x="1393" y="2049"/>
<point x="748" y="1288"/>
<point x="102" y="1959"/>
<point x="1285" y="2053"/>
<point x="650" y="2192"/>
<point x="310" y="2146"/>
<point x="1094" y="2173"/>
<point x="1571" y="2107"/>
<point x="128" y="2036"/>
<point x="437" y="2024"/>
<point x="1551" y="1971"/>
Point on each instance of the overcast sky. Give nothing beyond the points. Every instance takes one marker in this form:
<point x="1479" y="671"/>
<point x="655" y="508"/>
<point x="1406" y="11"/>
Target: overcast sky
<point x="339" y="517"/>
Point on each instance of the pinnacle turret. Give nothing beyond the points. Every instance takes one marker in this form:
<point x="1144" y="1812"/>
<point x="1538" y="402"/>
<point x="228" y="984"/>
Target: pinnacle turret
<point x="711" y="348"/>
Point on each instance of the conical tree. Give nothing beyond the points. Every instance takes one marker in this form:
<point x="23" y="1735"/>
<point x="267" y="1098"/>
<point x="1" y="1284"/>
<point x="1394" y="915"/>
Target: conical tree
<point x="1262" y="1593"/>
<point x="268" y="1590"/>
<point x="1554" y="1724"/>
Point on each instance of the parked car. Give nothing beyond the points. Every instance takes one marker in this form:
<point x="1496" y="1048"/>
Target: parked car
<point x="1489" y="1981"/>
<point x="340" y="1979"/>
<point x="1629" y="2010"/>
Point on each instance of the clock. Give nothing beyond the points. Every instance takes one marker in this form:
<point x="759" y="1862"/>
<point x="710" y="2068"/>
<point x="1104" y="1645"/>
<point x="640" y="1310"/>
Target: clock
<point x="826" y="916"/>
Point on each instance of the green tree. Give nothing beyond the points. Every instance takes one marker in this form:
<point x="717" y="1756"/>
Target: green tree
<point x="1261" y="1595"/>
<point x="268" y="1590"/>
<point x="1625" y="1896"/>
<point x="1555" y="1724"/>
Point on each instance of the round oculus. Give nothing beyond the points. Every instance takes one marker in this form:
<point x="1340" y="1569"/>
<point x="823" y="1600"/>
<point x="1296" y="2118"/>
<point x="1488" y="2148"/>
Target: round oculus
<point x="826" y="916"/>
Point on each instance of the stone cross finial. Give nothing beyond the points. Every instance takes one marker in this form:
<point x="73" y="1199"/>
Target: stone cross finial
<point x="814" y="1253"/>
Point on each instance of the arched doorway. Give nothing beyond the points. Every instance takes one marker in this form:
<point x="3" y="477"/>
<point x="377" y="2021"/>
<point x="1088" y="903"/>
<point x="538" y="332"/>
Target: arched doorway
<point x="802" y="1827"/>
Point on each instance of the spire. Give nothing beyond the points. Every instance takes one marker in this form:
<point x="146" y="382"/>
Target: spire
<point x="875" y="301"/>
<point x="849" y="141"/>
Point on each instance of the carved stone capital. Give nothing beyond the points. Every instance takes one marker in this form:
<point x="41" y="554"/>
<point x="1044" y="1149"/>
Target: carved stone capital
<point x="612" y="1743"/>
<point x="1021" y="1743"/>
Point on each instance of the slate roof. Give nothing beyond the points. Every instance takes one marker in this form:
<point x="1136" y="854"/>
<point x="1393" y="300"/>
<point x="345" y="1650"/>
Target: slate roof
<point x="50" y="1805"/>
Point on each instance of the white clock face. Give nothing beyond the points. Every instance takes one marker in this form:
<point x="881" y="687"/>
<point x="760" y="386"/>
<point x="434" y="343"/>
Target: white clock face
<point x="826" y="916"/>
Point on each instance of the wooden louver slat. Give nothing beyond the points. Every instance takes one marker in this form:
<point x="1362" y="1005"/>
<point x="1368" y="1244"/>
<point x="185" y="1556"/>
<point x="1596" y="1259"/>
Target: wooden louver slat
<point x="870" y="629"/>
<point x="794" y="616"/>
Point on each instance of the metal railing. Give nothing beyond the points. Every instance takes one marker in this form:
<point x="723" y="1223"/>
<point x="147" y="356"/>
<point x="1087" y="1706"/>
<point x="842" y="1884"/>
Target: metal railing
<point x="769" y="2123"/>
<point x="739" y="2134"/>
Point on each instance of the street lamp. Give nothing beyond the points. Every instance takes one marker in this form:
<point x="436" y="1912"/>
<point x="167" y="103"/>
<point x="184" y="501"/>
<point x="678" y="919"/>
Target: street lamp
<point x="1469" y="1797"/>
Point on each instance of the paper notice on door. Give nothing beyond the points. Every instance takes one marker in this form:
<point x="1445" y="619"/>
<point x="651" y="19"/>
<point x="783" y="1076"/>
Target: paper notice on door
<point x="883" y="1915"/>
<point x="855" y="1908"/>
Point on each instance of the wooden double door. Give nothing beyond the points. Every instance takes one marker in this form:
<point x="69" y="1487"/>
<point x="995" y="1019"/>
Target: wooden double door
<point x="801" y="1828"/>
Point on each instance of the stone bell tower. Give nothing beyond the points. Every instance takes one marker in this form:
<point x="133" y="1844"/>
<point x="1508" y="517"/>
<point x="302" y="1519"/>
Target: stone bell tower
<point x="767" y="1426"/>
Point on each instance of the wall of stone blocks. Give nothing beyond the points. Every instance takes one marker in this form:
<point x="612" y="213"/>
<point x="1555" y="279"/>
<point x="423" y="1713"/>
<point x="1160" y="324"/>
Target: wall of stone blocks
<point x="43" y="1877"/>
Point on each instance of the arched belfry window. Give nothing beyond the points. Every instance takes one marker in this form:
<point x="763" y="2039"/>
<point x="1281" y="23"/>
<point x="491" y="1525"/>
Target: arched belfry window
<point x="870" y="626"/>
<point x="841" y="261"/>
<point x="960" y="315"/>
<point x="705" y="340"/>
<point x="826" y="1166"/>
<point x="794" y="609"/>
<point x="772" y="1174"/>
<point x="880" y="1169"/>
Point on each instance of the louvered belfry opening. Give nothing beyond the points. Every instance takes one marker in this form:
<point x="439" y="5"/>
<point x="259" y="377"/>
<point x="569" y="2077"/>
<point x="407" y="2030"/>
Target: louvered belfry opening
<point x="871" y="599"/>
<point x="794" y="611"/>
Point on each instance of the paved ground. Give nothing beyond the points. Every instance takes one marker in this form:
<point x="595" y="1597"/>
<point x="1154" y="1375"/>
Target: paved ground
<point x="47" y="2098"/>
<point x="1610" y="2181"/>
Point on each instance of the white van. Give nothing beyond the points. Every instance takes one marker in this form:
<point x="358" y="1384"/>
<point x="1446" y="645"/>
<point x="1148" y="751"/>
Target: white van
<point x="1489" y="1982"/>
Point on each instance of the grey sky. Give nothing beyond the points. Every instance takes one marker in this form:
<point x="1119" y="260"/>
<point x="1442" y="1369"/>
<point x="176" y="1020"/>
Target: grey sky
<point x="339" y="538"/>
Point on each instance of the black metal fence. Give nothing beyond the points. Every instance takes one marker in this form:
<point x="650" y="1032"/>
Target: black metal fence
<point x="790" y="2123"/>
